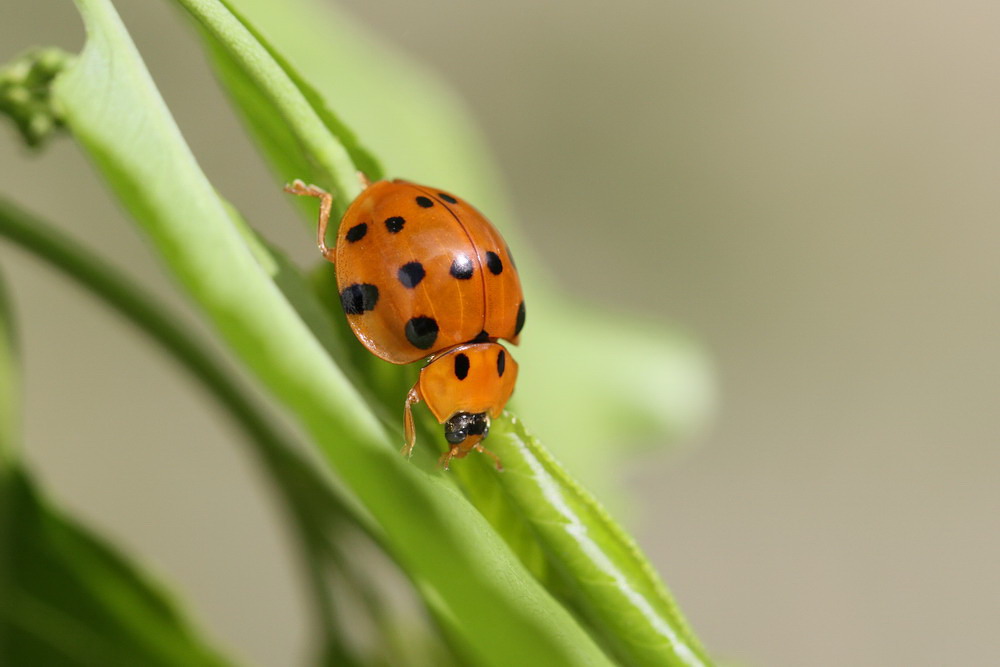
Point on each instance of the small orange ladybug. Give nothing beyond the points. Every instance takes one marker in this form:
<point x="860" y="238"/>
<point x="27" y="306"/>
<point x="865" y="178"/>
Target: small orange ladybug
<point x="422" y="274"/>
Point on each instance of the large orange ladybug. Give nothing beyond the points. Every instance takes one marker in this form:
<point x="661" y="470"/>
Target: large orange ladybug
<point x="422" y="274"/>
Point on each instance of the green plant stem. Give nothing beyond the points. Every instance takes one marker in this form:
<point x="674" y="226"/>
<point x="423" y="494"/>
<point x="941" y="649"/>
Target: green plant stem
<point x="306" y="495"/>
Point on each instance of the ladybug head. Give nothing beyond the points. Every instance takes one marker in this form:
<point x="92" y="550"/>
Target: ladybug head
<point x="466" y="429"/>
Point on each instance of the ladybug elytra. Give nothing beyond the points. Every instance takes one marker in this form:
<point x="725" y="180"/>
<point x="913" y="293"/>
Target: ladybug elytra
<point x="424" y="275"/>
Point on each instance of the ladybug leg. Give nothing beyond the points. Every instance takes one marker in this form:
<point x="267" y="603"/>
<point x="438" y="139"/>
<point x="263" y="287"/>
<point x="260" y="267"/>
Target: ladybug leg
<point x="447" y="457"/>
<point x="364" y="180"/>
<point x="297" y="187"/>
<point x="492" y="455"/>
<point x="408" y="428"/>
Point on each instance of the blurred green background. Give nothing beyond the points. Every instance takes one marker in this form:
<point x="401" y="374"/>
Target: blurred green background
<point x="810" y="189"/>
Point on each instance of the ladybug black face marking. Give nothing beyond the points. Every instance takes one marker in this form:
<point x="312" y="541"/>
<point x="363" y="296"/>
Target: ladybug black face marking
<point x="520" y="319"/>
<point x="394" y="224"/>
<point x="464" y="424"/>
<point x="461" y="366"/>
<point x="424" y="202"/>
<point x="357" y="232"/>
<point x="501" y="363"/>
<point x="447" y="198"/>
<point x="359" y="298"/>
<point x="422" y="331"/>
<point x="461" y="268"/>
<point x="493" y="263"/>
<point x="411" y="274"/>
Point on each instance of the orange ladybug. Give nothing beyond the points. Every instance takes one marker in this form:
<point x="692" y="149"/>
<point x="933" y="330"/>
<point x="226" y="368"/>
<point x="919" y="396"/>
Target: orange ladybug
<point x="422" y="274"/>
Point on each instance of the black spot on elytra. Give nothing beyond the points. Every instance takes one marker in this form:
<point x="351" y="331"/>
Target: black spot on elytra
<point x="422" y="331"/>
<point x="501" y="363"/>
<point x="461" y="268"/>
<point x="520" y="319"/>
<point x="394" y="224"/>
<point x="359" y="298"/>
<point x="447" y="198"/>
<point x="481" y="337"/>
<point x="461" y="366"/>
<point x="424" y="202"/>
<point x="357" y="232"/>
<point x="411" y="274"/>
<point x="493" y="263"/>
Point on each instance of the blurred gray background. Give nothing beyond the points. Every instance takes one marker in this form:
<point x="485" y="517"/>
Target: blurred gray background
<point x="811" y="188"/>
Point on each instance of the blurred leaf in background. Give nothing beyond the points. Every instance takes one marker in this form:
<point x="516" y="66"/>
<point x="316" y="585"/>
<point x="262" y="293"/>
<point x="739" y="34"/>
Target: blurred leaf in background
<point x="66" y="596"/>
<point x="69" y="598"/>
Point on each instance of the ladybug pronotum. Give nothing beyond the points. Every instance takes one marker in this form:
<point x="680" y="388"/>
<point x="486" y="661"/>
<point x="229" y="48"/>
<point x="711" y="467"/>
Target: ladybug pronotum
<point x="423" y="275"/>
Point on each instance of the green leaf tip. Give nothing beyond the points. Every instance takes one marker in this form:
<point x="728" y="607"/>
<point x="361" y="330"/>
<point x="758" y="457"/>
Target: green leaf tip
<point x="25" y="95"/>
<point x="598" y="567"/>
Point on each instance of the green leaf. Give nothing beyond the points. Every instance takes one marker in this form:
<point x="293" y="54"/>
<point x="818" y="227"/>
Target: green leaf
<point x="68" y="598"/>
<point x="264" y="115"/>
<point x="491" y="608"/>
<point x="334" y="153"/>
<point x="418" y="127"/>
<point x="619" y="381"/>
<point x="593" y="562"/>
